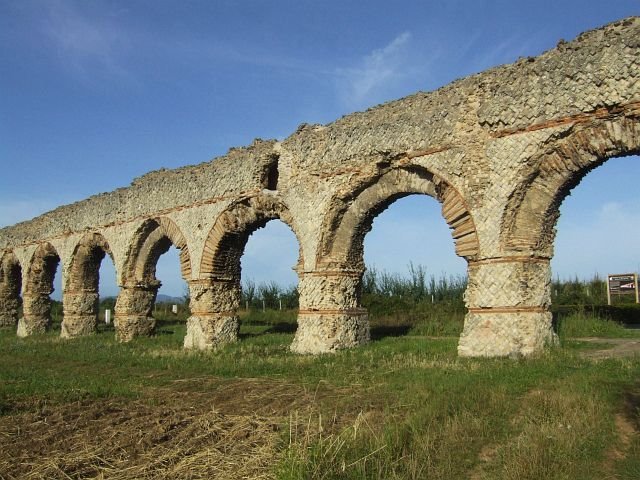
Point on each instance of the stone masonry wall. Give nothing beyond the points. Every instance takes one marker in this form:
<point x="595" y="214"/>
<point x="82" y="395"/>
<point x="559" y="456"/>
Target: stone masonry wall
<point x="501" y="150"/>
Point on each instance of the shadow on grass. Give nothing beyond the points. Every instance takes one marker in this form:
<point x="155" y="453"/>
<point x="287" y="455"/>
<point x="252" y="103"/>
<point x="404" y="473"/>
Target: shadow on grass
<point x="378" y="332"/>
<point x="632" y="405"/>
<point x="260" y="329"/>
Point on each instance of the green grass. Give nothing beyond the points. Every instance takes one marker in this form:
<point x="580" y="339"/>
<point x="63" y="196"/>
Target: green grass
<point x="580" y="324"/>
<point x="402" y="407"/>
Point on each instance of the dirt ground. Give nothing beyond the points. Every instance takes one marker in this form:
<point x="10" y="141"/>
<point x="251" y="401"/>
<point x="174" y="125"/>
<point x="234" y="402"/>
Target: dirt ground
<point x="191" y="429"/>
<point x="200" y="428"/>
<point x="612" y="347"/>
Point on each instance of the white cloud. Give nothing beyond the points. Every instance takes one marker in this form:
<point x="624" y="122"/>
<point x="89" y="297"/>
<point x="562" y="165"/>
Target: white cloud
<point x="376" y="71"/>
<point x="85" y="42"/>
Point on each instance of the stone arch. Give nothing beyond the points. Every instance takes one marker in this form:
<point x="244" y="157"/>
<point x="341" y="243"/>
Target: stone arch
<point x="331" y="316"/>
<point x="81" y="295"/>
<point x="352" y="216"/>
<point x="215" y="297"/>
<point x="530" y="216"/>
<point x="38" y="288"/>
<point x="85" y="263"/>
<point x="42" y="270"/>
<point x="10" y="289"/>
<point x="139" y="285"/>
<point x="229" y="235"/>
<point x="154" y="238"/>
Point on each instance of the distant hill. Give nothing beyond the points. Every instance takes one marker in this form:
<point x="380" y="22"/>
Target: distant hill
<point x="161" y="298"/>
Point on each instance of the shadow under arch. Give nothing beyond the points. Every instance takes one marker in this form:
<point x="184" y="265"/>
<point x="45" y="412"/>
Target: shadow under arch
<point x="81" y="290"/>
<point x="10" y="288"/>
<point x="38" y="288"/>
<point x="138" y="283"/>
<point x="531" y="215"/>
<point x="351" y="217"/>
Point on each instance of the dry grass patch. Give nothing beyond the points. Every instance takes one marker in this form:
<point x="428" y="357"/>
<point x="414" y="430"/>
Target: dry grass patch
<point x="124" y="440"/>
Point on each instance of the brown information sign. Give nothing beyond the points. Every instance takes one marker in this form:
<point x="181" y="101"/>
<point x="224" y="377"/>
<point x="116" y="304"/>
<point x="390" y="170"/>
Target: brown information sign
<point x="622" y="284"/>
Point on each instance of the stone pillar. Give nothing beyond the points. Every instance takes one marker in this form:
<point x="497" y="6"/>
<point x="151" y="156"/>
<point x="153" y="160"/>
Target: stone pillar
<point x="133" y="311"/>
<point x="508" y="301"/>
<point x="214" y="320"/>
<point x="330" y="316"/>
<point x="80" y="313"/>
<point x="36" y="314"/>
<point x="9" y="306"/>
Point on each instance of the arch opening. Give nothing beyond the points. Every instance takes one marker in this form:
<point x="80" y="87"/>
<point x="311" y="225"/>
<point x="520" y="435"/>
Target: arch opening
<point x="216" y="296"/>
<point x="171" y="307"/>
<point x="331" y="296"/>
<point x="528" y="234"/>
<point x="530" y="217"/>
<point x="269" y="295"/>
<point x="139" y="284"/>
<point x="227" y="239"/>
<point x="352" y="217"/>
<point x="413" y="279"/>
<point x="600" y="216"/>
<point x="82" y="290"/>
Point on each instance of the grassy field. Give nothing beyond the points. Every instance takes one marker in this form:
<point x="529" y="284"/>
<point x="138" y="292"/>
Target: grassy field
<point x="403" y="407"/>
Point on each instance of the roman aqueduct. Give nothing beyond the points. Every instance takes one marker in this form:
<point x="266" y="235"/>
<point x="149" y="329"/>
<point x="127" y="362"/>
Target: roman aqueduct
<point x="499" y="150"/>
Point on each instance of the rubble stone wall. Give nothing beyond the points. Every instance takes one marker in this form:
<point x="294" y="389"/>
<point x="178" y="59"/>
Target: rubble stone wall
<point x="499" y="150"/>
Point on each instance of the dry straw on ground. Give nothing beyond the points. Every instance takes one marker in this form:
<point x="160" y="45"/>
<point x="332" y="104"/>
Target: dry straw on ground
<point x="113" y="440"/>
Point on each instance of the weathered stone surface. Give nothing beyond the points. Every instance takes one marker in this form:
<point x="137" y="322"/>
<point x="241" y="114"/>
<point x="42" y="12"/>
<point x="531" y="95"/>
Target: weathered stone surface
<point x="329" y="332"/>
<point x="80" y="314"/>
<point x="37" y="314"/>
<point x="211" y="332"/>
<point x="330" y="317"/>
<point x="499" y="150"/>
<point x="506" y="334"/>
<point x="9" y="315"/>
<point x="10" y="285"/>
<point x="213" y="321"/>
<point x="133" y="311"/>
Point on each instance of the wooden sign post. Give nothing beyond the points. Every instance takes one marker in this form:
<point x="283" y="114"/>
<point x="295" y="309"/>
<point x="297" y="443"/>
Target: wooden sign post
<point x="622" y="284"/>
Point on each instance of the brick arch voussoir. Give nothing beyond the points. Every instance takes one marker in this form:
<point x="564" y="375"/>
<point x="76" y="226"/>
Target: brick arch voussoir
<point x="227" y="238"/>
<point x="42" y="269"/>
<point x="153" y="238"/>
<point x="352" y="215"/>
<point x="85" y="262"/>
<point x="530" y="216"/>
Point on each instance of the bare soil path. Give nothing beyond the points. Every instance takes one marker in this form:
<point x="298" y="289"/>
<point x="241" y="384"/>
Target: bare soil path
<point x="615" y="347"/>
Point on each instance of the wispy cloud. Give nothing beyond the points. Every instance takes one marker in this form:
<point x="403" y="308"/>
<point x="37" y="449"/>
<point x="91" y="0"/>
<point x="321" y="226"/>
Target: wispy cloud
<point x="377" y="70"/>
<point x="480" y="54"/>
<point x="85" y="42"/>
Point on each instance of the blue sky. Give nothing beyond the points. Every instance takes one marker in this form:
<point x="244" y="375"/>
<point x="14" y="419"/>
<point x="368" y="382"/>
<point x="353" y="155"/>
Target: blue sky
<point x="95" y="93"/>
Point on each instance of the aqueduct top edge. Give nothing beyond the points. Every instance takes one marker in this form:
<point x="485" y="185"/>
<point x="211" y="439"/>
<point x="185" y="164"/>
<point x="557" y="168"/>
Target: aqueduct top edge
<point x="599" y="69"/>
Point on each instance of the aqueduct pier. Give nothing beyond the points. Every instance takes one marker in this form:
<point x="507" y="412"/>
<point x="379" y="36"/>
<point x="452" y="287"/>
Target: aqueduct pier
<point x="499" y="150"/>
